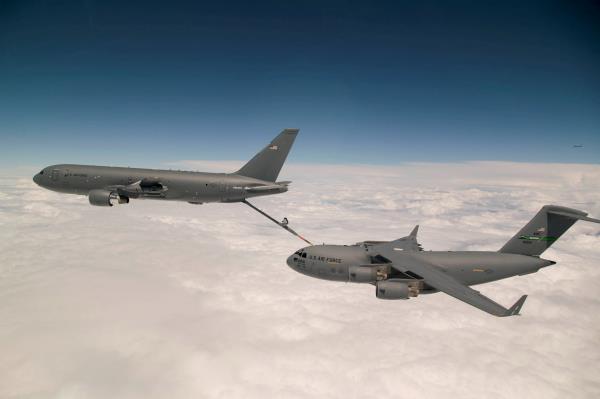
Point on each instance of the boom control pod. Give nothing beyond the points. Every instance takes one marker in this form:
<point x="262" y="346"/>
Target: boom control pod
<point x="283" y="224"/>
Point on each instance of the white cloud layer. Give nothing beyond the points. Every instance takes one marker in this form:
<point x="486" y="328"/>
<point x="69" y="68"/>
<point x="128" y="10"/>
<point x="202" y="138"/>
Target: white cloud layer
<point x="157" y="300"/>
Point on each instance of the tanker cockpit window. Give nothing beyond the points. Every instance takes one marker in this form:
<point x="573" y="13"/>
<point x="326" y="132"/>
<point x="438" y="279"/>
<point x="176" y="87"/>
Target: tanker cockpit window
<point x="42" y="172"/>
<point x="304" y="255"/>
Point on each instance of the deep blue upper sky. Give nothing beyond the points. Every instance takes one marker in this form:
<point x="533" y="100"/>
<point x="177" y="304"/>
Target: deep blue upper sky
<point x="140" y="83"/>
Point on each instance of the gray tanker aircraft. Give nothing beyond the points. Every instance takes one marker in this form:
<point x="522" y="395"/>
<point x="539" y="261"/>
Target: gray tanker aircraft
<point x="105" y="185"/>
<point x="400" y="269"/>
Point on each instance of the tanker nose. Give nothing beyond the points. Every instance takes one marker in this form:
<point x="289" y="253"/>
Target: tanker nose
<point x="38" y="178"/>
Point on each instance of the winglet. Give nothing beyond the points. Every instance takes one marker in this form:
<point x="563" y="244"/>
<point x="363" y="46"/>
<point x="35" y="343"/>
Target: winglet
<point x="414" y="231"/>
<point x="516" y="308"/>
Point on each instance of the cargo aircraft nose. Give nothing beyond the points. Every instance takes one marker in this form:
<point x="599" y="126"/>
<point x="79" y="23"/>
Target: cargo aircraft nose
<point x="291" y="261"/>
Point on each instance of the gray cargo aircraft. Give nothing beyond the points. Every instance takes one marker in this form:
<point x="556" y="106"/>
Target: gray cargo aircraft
<point x="400" y="269"/>
<point x="105" y="185"/>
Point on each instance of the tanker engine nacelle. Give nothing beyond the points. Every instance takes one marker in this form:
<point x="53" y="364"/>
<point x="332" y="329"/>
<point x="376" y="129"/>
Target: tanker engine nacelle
<point x="105" y="198"/>
<point x="394" y="289"/>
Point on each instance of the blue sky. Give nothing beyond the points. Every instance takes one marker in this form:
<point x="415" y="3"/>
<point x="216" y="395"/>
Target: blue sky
<point x="144" y="83"/>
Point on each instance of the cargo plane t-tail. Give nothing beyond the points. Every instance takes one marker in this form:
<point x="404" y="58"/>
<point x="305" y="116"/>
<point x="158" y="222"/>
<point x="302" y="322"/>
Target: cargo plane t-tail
<point x="106" y="185"/>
